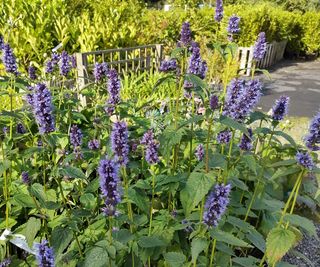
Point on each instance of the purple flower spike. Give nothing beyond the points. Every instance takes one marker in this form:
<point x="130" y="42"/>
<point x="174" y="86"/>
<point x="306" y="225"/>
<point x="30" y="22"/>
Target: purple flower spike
<point x="197" y="66"/>
<point x="100" y="71"/>
<point x="280" y="108"/>
<point x="76" y="141"/>
<point x="1" y="42"/>
<point x="246" y="141"/>
<point x="45" y="256"/>
<point x="216" y="204"/>
<point x="94" y="144"/>
<point x="110" y="185"/>
<point x="32" y="73"/>
<point x="260" y="47"/>
<point x="214" y="102"/>
<point x="312" y="140"/>
<point x="9" y="60"/>
<point x="234" y="25"/>
<point x="224" y="137"/>
<point x="119" y="142"/>
<point x="200" y="152"/>
<point x="305" y="160"/>
<point x="219" y="11"/>
<point x="151" y="152"/>
<point x="6" y="262"/>
<point x="168" y="65"/>
<point x="185" y="34"/>
<point x="49" y="67"/>
<point x="42" y="108"/>
<point x="25" y="178"/>
<point x="20" y="128"/>
<point x="65" y="65"/>
<point x="114" y="87"/>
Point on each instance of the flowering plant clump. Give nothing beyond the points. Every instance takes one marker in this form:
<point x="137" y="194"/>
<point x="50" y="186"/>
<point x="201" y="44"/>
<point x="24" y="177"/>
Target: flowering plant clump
<point x="196" y="179"/>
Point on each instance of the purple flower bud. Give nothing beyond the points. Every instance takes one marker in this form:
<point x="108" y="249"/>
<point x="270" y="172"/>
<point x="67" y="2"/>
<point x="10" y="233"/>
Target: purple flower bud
<point x="110" y="185"/>
<point x="119" y="142"/>
<point x="76" y="141"/>
<point x="6" y="262"/>
<point x="5" y="130"/>
<point x="260" y="47"/>
<point x="312" y="140"/>
<point x="100" y="71"/>
<point x="200" y="152"/>
<point x="219" y="11"/>
<point x="73" y="61"/>
<point x="1" y="42"/>
<point x="29" y="97"/>
<point x="280" y="108"/>
<point x="20" y="128"/>
<point x="45" y="256"/>
<point x="214" y="102"/>
<point x="185" y="35"/>
<point x="246" y="141"/>
<point x="42" y="109"/>
<point x="25" y="178"/>
<point x="32" y="73"/>
<point x="188" y="228"/>
<point x="49" y="66"/>
<point x="197" y="66"/>
<point x="168" y="65"/>
<point x="65" y="65"/>
<point x="94" y="144"/>
<point x="234" y="25"/>
<point x="224" y="137"/>
<point x="305" y="160"/>
<point x="151" y="151"/>
<point x="216" y="204"/>
<point x="113" y="90"/>
<point x="9" y="60"/>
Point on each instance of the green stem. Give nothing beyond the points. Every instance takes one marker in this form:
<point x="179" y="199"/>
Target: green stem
<point x="212" y="252"/>
<point x="152" y="204"/>
<point x="257" y="141"/>
<point x="5" y="189"/>
<point x="129" y="207"/>
<point x="190" y="152"/>
<point x="207" y="145"/>
<point x="252" y="201"/>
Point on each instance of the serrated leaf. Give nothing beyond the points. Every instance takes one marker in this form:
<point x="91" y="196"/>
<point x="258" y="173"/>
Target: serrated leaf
<point x="33" y="225"/>
<point x="73" y="172"/>
<point x="302" y="222"/>
<point x="245" y="262"/>
<point x="286" y="162"/>
<point x="174" y="259"/>
<point x="60" y="239"/>
<point x="97" y="257"/>
<point x="284" y="172"/>
<point x="250" y="162"/>
<point x="279" y="242"/>
<point x="197" y="246"/>
<point x="88" y="200"/>
<point x="228" y="238"/>
<point x="24" y="200"/>
<point x="287" y="137"/>
<point x="234" y="124"/>
<point x="38" y="192"/>
<point x="151" y="242"/>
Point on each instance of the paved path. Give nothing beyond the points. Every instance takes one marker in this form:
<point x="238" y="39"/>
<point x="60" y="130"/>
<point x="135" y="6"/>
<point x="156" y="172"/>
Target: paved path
<point x="300" y="80"/>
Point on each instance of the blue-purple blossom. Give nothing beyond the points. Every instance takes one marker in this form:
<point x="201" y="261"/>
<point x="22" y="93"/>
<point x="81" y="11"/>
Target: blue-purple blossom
<point x="185" y="34"/>
<point x="44" y="254"/>
<point x="76" y="141"/>
<point x="1" y="42"/>
<point x="260" y="47"/>
<point x="114" y="87"/>
<point x="312" y="140"/>
<point x="49" y="66"/>
<point x="64" y="65"/>
<point x="305" y="160"/>
<point x="100" y="71"/>
<point x="119" y="142"/>
<point x="94" y="144"/>
<point x="55" y="57"/>
<point x="168" y="65"/>
<point x="197" y="66"/>
<point x="214" y="102"/>
<point x="110" y="185"/>
<point x="42" y="108"/>
<point x="151" y="150"/>
<point x="9" y="60"/>
<point x="25" y="177"/>
<point x="280" y="108"/>
<point x="6" y="262"/>
<point x="200" y="152"/>
<point x="5" y="130"/>
<point x="188" y="228"/>
<point x="242" y="98"/>
<point x="234" y="25"/>
<point x="29" y="97"/>
<point x="224" y="137"/>
<point x="32" y="73"/>
<point x="246" y="141"/>
<point x="73" y="61"/>
<point x="216" y="204"/>
<point x="20" y="128"/>
<point x="219" y="11"/>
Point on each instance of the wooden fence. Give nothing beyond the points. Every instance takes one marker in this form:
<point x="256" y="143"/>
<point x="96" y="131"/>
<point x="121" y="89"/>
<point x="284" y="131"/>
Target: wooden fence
<point x="275" y="51"/>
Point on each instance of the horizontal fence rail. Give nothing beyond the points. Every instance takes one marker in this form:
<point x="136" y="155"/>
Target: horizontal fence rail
<point x="274" y="53"/>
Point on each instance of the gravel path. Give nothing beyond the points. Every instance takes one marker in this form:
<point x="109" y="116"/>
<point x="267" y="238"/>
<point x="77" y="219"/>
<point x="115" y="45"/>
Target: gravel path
<point x="310" y="248"/>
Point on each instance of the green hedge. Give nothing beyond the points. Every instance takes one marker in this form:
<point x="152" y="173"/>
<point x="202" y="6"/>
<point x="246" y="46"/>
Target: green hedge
<point x="90" y="25"/>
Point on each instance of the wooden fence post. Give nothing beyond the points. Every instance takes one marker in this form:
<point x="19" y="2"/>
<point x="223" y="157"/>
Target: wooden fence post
<point x="82" y="76"/>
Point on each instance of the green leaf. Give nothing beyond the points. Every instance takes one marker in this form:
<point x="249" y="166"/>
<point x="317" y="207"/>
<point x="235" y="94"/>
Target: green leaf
<point x="286" y="162"/>
<point x="279" y="241"/>
<point x="73" y="172"/>
<point x="88" y="200"/>
<point x="175" y="259"/>
<point x="33" y="225"/>
<point x="151" y="242"/>
<point x="256" y="239"/>
<point x="302" y="222"/>
<point x="245" y="262"/>
<point x="284" y="172"/>
<point x="138" y="197"/>
<point x="287" y="137"/>
<point x="197" y="187"/>
<point x="234" y="124"/>
<point x="217" y="161"/>
<point x="24" y="200"/>
<point x="195" y="80"/>
<point x="60" y="239"/>
<point x="197" y="246"/>
<point x="37" y="191"/>
<point x="250" y="162"/>
<point x="97" y="257"/>
<point x="228" y="238"/>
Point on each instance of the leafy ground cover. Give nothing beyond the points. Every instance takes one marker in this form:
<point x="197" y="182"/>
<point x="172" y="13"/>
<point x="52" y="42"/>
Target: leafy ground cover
<point x="196" y="179"/>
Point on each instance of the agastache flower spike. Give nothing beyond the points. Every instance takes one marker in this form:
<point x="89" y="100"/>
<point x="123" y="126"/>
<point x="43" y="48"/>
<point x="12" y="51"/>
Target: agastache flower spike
<point x="214" y="102"/>
<point x="151" y="151"/>
<point x="260" y="47"/>
<point x="76" y="140"/>
<point x="280" y="108"/>
<point x="94" y="144"/>
<point x="113" y="90"/>
<point x="234" y="25"/>
<point x="42" y="109"/>
<point x="197" y="66"/>
<point x="65" y="65"/>
<point x="25" y="177"/>
<point x="305" y="160"/>
<point x="110" y="185"/>
<point x="119" y="142"/>
<point x="216" y="204"/>
<point x="32" y="73"/>
<point x="219" y="11"/>
<point x="312" y="140"/>
<point x="20" y="128"/>
<point x="185" y="37"/>
<point x="168" y="65"/>
<point x="1" y="42"/>
<point x="200" y="152"/>
<point x="100" y="71"/>
<point x="246" y="141"/>
<point x="6" y="262"/>
<point x="9" y="60"/>
<point x="44" y="256"/>
<point x="224" y="137"/>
